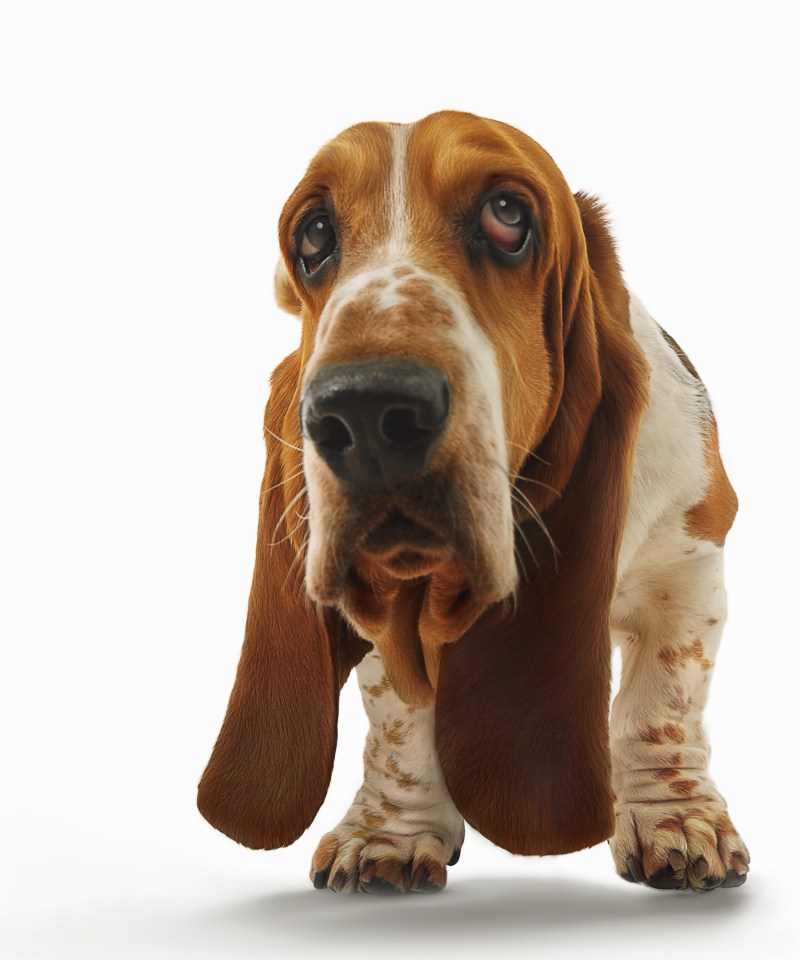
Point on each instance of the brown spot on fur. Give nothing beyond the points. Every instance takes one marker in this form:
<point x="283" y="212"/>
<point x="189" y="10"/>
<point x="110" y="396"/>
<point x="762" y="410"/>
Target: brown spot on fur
<point x="425" y="299"/>
<point x="379" y="688"/>
<point x="667" y="774"/>
<point x="652" y="735"/>
<point x="676" y="759"/>
<point x="372" y="819"/>
<point x="683" y="788"/>
<point x="673" y="657"/>
<point x="389" y="808"/>
<point x="669" y="823"/>
<point x="674" y="733"/>
<point x="712" y="518"/>
<point x="669" y="658"/>
<point x="712" y="621"/>
<point x="404" y="780"/>
<point x="669" y="731"/>
<point x="698" y="653"/>
<point x="396" y="734"/>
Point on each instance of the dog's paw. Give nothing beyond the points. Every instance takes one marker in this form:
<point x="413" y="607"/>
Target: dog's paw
<point x="351" y="859"/>
<point x="678" y="846"/>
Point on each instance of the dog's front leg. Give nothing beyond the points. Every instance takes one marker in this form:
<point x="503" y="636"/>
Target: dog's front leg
<point x="673" y="829"/>
<point x="402" y="830"/>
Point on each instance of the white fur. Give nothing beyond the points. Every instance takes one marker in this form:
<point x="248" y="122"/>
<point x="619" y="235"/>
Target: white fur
<point x="398" y="212"/>
<point x="670" y="472"/>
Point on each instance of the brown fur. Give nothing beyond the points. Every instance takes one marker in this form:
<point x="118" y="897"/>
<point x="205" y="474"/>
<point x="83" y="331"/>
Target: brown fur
<point x="712" y="518"/>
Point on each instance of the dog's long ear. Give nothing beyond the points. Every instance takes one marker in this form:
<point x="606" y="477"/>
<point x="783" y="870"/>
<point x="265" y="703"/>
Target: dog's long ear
<point x="271" y="765"/>
<point x="523" y="697"/>
<point x="285" y="294"/>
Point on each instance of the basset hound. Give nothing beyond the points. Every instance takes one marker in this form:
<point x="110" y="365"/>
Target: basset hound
<point x="485" y="463"/>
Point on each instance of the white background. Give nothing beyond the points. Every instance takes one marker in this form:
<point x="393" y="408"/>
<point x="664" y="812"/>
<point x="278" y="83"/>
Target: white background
<point x="146" y="151"/>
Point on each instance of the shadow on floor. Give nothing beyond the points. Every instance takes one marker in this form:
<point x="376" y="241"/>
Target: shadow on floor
<point x="480" y="910"/>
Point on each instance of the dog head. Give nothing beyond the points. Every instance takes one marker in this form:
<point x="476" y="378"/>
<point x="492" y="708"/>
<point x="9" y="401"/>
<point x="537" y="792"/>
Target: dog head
<point x="427" y="263"/>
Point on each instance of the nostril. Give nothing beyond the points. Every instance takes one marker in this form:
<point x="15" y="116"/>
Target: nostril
<point x="332" y="435"/>
<point x="399" y="427"/>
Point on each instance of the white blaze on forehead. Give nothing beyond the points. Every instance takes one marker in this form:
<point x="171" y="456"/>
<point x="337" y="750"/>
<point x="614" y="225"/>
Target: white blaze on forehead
<point x="398" y="212"/>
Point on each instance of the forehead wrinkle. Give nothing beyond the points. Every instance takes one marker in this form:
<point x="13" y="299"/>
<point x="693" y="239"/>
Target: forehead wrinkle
<point x="357" y="159"/>
<point x="453" y="158"/>
<point x="350" y="174"/>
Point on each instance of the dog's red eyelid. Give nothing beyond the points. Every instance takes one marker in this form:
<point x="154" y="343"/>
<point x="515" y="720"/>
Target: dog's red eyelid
<point x="507" y="236"/>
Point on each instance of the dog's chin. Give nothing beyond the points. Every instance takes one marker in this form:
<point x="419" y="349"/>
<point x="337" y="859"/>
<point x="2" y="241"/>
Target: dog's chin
<point x="407" y="583"/>
<point x="400" y="547"/>
<point x="405" y="575"/>
<point x="408" y="587"/>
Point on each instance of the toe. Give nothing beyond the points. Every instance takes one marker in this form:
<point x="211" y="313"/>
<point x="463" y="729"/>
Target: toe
<point x="666" y="879"/>
<point x="734" y="879"/>
<point x="635" y="871"/>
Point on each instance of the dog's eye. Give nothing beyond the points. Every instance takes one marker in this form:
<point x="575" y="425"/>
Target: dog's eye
<point x="317" y="241"/>
<point x="503" y="220"/>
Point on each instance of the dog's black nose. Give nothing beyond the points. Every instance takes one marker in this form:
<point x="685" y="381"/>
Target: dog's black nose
<point x="375" y="422"/>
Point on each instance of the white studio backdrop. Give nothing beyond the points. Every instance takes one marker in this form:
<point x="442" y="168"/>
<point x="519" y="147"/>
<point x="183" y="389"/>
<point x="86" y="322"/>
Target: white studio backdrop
<point x="145" y="152"/>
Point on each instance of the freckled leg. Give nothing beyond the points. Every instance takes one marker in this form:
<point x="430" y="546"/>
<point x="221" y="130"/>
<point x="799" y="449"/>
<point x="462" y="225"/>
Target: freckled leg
<point x="673" y="829"/>
<point x="402" y="829"/>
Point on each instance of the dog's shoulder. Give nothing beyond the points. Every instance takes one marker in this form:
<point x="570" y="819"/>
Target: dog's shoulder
<point x="679" y="489"/>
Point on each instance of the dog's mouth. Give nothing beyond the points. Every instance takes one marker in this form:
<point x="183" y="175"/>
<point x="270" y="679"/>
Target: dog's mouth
<point x="402" y="546"/>
<point x="413" y="570"/>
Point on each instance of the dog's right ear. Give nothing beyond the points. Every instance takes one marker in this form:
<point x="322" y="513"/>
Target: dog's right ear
<point x="271" y="765"/>
<point x="285" y="294"/>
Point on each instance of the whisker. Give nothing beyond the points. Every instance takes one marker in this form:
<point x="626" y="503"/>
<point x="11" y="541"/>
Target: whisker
<point x="527" y="543"/>
<point x="294" y="529"/>
<point x="275" y="486"/>
<point x="299" y="556"/>
<point x="539" y="483"/>
<point x="519" y="478"/>
<point x="519" y="497"/>
<point x="530" y="452"/>
<point x="282" y="517"/>
<point x="281" y="440"/>
<point x="297" y="562"/>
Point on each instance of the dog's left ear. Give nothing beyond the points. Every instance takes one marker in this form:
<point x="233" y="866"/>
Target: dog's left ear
<point x="285" y="294"/>
<point x="522" y="700"/>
